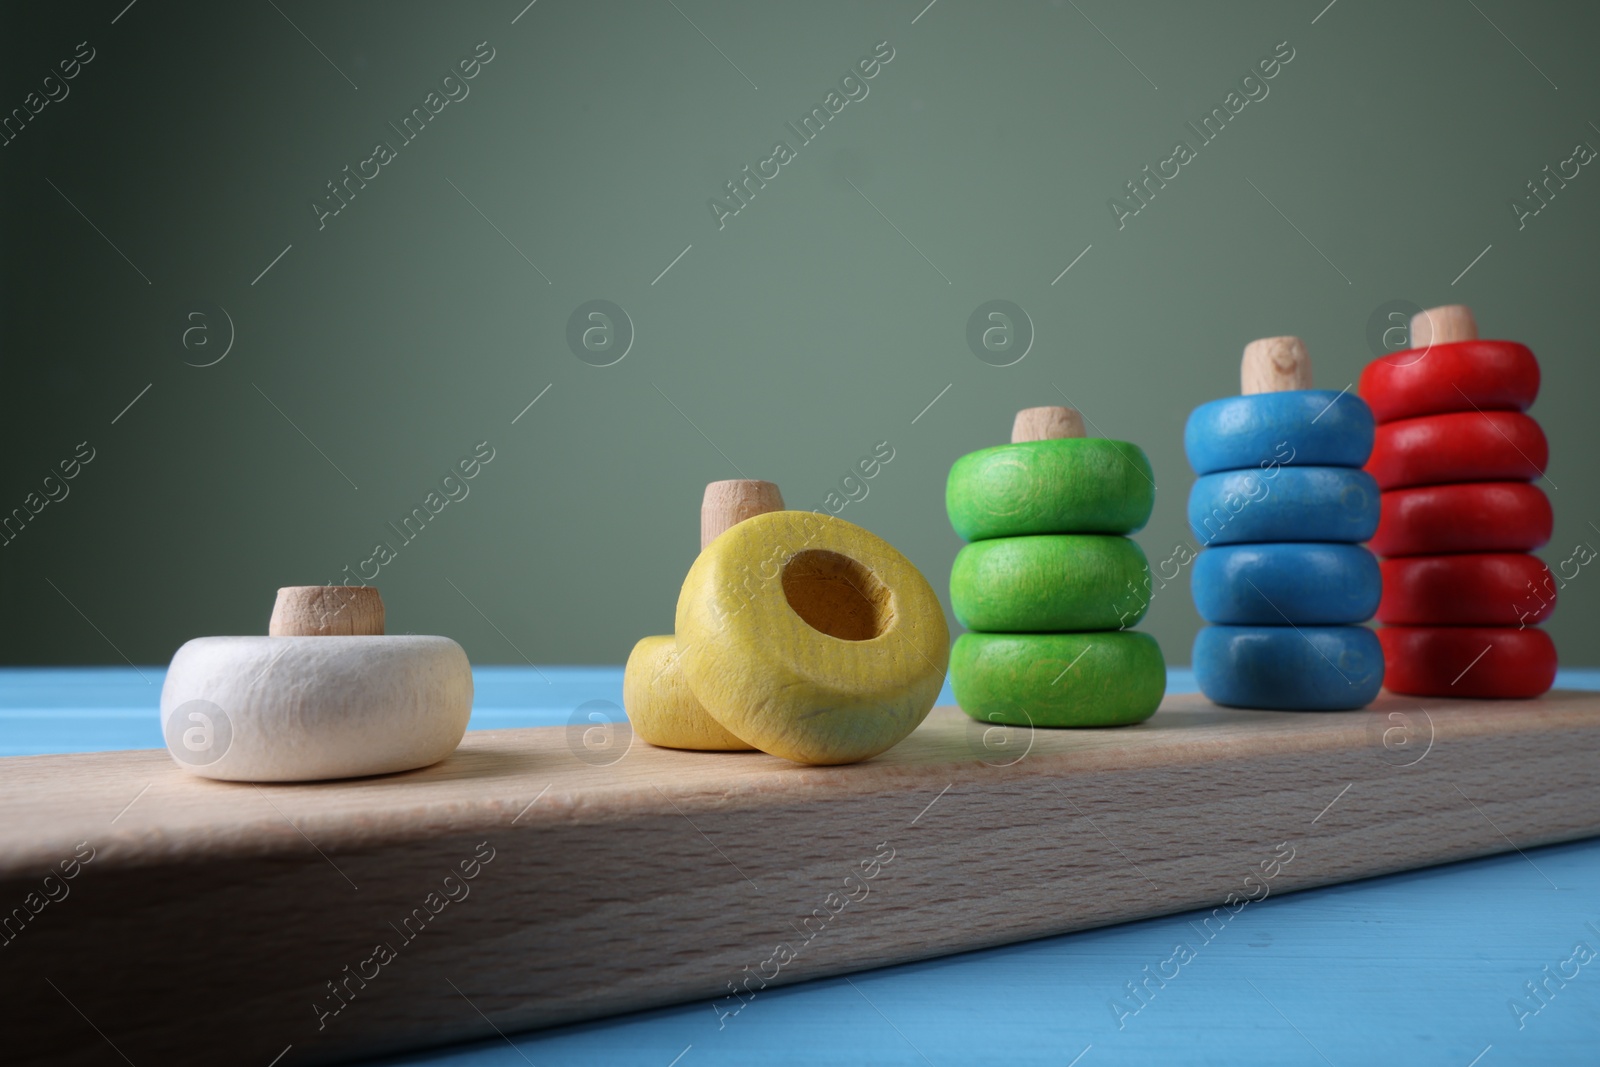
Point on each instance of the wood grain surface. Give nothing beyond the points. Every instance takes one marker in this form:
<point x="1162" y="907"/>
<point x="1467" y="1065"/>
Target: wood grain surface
<point x="213" y="916"/>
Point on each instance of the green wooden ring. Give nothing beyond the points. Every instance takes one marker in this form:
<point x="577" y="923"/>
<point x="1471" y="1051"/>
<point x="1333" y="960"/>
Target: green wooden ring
<point x="1049" y="584"/>
<point x="1093" y="679"/>
<point x="1071" y="485"/>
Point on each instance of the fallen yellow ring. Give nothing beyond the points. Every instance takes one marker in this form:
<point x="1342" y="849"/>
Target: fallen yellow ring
<point x="662" y="708"/>
<point x="811" y="638"/>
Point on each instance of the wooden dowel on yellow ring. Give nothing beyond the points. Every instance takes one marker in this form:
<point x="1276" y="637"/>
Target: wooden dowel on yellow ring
<point x="327" y="611"/>
<point x="726" y="504"/>
<point x="1443" y="325"/>
<point x="1046" y="424"/>
<point x="1274" y="365"/>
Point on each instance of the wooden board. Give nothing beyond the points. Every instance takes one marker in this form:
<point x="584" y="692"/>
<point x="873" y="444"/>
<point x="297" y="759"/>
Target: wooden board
<point x="213" y="916"/>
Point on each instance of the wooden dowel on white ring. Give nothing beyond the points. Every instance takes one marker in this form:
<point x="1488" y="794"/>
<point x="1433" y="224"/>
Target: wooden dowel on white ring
<point x="1443" y="325"/>
<point x="726" y="504"/>
<point x="1274" y="365"/>
<point x="327" y="611"/>
<point x="1046" y="424"/>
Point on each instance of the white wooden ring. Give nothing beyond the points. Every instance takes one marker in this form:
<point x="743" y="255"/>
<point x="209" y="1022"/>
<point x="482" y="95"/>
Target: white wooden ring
<point x="298" y="709"/>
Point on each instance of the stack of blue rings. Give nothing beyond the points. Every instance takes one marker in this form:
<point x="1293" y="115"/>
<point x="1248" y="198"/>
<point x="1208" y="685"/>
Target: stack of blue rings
<point x="1282" y="506"/>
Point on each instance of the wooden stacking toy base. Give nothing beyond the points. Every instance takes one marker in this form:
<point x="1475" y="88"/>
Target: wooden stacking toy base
<point x="216" y="921"/>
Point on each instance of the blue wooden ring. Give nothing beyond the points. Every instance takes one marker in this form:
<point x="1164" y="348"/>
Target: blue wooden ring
<point x="1306" y="583"/>
<point x="1284" y="504"/>
<point x="1304" y="427"/>
<point x="1287" y="668"/>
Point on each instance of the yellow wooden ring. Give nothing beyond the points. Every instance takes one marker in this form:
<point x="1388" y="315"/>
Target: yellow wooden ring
<point x="811" y="638"/>
<point x="662" y="707"/>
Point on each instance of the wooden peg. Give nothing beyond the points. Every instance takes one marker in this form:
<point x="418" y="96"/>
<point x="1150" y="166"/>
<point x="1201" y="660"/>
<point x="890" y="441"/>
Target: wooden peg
<point x="726" y="504"/>
<point x="1274" y="365"/>
<point x="326" y="611"/>
<point x="1442" y="325"/>
<point x="1046" y="424"/>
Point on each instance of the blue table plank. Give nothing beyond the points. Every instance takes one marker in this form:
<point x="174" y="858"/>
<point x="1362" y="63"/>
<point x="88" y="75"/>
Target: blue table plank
<point x="92" y="709"/>
<point x="1433" y="966"/>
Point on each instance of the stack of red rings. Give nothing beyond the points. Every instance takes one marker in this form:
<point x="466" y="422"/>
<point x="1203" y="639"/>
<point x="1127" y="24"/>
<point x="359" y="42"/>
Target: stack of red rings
<point x="1455" y="456"/>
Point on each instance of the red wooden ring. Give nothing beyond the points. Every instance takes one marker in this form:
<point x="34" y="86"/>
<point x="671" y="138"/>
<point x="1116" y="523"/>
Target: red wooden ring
<point x="1428" y="520"/>
<point x="1457" y="376"/>
<point x="1464" y="446"/>
<point x="1470" y="589"/>
<point x="1467" y="661"/>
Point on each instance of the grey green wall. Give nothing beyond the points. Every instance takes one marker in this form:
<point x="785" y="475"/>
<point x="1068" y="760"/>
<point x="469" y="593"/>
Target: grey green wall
<point x="819" y="321"/>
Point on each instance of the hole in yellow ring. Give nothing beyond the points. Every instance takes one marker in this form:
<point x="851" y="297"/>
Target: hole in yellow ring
<point x="837" y="596"/>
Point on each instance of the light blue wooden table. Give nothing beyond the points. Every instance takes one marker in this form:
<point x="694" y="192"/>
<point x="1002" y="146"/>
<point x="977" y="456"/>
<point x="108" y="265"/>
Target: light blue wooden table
<point x="1430" y="967"/>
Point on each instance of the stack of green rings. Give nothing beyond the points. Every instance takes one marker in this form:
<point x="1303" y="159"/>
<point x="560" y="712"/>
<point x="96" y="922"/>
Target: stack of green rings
<point x="1050" y="584"/>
